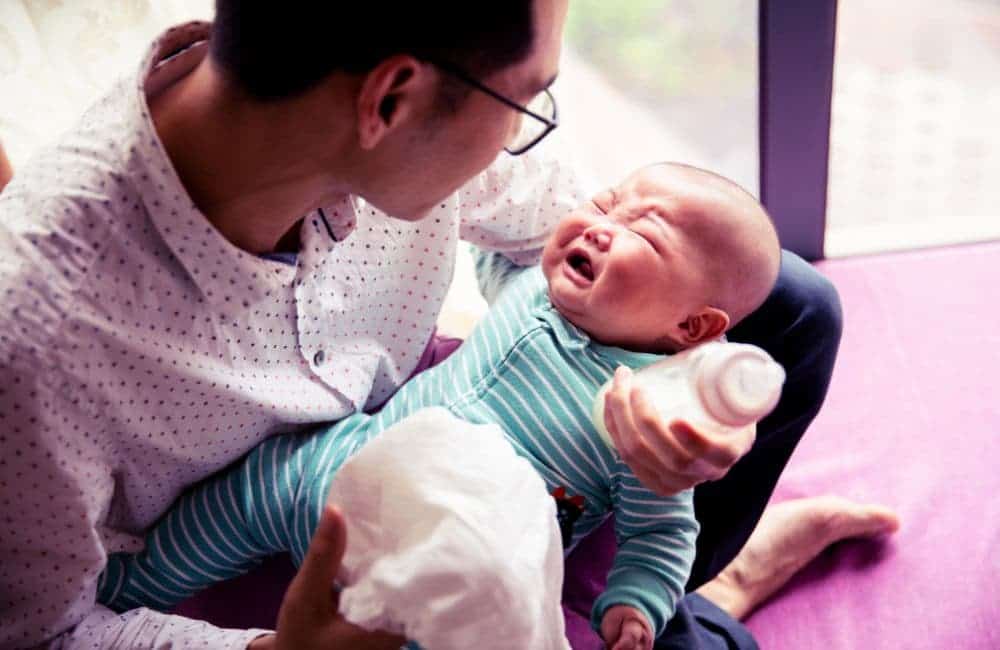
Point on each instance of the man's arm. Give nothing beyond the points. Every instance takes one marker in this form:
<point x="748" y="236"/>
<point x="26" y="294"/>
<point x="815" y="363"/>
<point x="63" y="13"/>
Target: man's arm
<point x="52" y="550"/>
<point x="516" y="202"/>
<point x="56" y="485"/>
<point x="50" y="540"/>
<point x="57" y="477"/>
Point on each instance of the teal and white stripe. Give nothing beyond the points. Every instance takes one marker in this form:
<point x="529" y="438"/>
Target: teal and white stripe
<point x="525" y="368"/>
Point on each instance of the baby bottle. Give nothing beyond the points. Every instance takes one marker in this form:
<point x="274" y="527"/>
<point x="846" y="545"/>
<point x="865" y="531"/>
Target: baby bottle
<point x="715" y="386"/>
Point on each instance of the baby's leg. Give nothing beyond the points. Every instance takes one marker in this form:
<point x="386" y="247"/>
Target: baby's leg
<point x="218" y="530"/>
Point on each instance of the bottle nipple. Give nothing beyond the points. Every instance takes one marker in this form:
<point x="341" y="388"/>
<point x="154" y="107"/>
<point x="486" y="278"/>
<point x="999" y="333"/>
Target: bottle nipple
<point x="739" y="384"/>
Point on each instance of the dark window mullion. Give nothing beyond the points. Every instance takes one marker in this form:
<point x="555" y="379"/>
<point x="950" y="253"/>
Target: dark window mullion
<point x="796" y="83"/>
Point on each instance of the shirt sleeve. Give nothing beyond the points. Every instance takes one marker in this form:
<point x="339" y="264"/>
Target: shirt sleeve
<point x="144" y="629"/>
<point x="656" y="547"/>
<point x="516" y="202"/>
<point x="50" y="484"/>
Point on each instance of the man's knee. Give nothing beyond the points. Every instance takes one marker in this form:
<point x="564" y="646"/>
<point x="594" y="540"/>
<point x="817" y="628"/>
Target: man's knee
<point x="800" y="325"/>
<point x="801" y="320"/>
<point x="810" y="298"/>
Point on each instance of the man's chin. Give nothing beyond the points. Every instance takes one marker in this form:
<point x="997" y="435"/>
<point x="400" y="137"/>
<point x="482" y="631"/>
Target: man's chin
<point x="407" y="212"/>
<point x="415" y="214"/>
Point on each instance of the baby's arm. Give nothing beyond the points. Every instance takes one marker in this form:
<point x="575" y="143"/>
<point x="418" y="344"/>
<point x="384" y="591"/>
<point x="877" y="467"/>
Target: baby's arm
<point x="656" y="547"/>
<point x="218" y="530"/>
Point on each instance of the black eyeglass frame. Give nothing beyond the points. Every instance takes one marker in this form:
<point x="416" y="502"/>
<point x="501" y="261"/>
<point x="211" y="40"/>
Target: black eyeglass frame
<point x="550" y="123"/>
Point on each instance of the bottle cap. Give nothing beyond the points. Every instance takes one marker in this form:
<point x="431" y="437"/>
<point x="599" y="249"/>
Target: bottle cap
<point x="738" y="383"/>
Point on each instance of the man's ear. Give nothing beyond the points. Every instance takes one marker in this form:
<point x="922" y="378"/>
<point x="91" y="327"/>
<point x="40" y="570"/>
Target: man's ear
<point x="705" y="325"/>
<point x="390" y="94"/>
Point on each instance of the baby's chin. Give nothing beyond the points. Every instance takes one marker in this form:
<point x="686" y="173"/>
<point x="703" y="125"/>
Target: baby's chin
<point x="555" y="298"/>
<point x="573" y="313"/>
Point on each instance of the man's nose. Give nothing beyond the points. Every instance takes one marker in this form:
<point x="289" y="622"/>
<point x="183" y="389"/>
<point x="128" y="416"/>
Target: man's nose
<point x="599" y="235"/>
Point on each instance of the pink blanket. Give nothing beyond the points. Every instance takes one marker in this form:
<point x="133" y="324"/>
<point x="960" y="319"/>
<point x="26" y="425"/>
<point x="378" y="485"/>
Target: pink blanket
<point x="912" y="421"/>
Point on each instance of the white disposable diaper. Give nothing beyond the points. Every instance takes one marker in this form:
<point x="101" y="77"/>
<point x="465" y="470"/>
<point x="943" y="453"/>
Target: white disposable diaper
<point x="452" y="539"/>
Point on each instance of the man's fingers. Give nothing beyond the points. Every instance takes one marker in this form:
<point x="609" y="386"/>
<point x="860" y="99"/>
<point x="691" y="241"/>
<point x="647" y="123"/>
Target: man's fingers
<point x="314" y="581"/>
<point x="615" y="418"/>
<point x="719" y="450"/>
<point x="660" y="442"/>
<point x="633" y="425"/>
<point x="667" y="458"/>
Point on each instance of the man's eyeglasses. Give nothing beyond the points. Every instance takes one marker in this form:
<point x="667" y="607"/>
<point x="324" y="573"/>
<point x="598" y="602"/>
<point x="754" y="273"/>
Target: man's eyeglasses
<point x="542" y="111"/>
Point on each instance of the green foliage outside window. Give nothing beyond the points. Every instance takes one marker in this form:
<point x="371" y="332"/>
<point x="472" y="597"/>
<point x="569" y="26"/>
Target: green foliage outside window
<point x="658" y="48"/>
<point x="692" y="62"/>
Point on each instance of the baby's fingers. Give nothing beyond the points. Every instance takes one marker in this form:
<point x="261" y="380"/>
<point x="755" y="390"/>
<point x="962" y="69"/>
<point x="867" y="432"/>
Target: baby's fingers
<point x="633" y="637"/>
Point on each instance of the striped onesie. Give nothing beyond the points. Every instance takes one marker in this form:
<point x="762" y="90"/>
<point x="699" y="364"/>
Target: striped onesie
<point x="525" y="368"/>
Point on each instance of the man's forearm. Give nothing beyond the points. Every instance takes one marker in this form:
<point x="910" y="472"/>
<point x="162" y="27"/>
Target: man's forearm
<point x="144" y="629"/>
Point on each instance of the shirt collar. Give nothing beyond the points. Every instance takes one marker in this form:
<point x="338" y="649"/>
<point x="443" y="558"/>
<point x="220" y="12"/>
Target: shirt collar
<point x="212" y="262"/>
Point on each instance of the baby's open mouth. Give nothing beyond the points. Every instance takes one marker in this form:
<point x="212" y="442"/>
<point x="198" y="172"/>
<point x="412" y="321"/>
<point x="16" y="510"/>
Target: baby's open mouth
<point x="581" y="264"/>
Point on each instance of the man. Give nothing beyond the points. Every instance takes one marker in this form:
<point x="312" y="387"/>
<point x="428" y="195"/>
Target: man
<point x="166" y="306"/>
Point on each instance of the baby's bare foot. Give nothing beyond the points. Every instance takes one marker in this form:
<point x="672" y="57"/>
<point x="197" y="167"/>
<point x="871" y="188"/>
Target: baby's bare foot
<point x="789" y="535"/>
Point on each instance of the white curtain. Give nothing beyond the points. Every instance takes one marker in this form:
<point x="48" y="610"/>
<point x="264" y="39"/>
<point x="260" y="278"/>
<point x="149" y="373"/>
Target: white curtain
<point x="58" y="56"/>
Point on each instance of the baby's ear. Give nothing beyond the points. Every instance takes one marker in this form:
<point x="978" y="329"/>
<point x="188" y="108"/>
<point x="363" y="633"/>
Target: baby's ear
<point x="707" y="324"/>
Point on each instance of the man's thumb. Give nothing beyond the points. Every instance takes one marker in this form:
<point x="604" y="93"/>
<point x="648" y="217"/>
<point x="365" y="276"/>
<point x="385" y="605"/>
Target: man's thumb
<point x="326" y="550"/>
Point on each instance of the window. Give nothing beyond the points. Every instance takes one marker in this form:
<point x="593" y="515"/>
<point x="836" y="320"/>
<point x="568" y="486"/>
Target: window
<point x="58" y="57"/>
<point x="914" y="144"/>
<point x="651" y="80"/>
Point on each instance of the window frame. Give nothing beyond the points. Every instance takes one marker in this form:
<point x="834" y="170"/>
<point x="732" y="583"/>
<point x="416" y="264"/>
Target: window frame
<point x="796" y="52"/>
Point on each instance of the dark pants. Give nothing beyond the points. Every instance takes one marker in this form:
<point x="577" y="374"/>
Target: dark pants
<point x="800" y="327"/>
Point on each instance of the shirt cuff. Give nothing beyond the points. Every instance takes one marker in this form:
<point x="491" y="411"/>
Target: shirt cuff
<point x="241" y="639"/>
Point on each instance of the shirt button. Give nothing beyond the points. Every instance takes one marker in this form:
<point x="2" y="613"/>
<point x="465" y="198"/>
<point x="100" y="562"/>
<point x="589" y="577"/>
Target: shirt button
<point x="319" y="358"/>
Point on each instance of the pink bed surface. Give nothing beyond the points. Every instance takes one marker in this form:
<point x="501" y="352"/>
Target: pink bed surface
<point x="912" y="421"/>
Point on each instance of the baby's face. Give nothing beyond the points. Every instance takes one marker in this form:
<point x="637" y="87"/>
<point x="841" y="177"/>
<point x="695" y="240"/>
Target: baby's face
<point x="626" y="267"/>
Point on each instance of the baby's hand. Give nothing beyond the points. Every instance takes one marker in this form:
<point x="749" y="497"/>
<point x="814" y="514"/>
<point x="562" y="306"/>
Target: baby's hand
<point x="625" y="628"/>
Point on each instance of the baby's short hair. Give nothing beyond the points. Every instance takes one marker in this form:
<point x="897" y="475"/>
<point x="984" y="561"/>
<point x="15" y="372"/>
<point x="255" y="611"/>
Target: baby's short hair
<point x="741" y="253"/>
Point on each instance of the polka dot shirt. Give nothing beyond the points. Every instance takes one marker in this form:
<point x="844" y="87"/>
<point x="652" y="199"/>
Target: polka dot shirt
<point x="140" y="351"/>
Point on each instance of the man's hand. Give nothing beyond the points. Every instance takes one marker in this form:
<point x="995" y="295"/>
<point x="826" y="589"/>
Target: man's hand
<point x="667" y="457"/>
<point x="625" y="628"/>
<point x="308" y="617"/>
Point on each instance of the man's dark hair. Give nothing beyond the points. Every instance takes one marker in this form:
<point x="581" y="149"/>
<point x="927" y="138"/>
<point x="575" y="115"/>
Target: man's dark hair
<point x="275" y="50"/>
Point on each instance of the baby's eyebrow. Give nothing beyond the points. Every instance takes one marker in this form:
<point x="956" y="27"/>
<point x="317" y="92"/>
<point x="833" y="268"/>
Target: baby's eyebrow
<point x="658" y="210"/>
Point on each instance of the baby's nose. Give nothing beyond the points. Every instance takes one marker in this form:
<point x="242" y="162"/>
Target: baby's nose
<point x="599" y="236"/>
